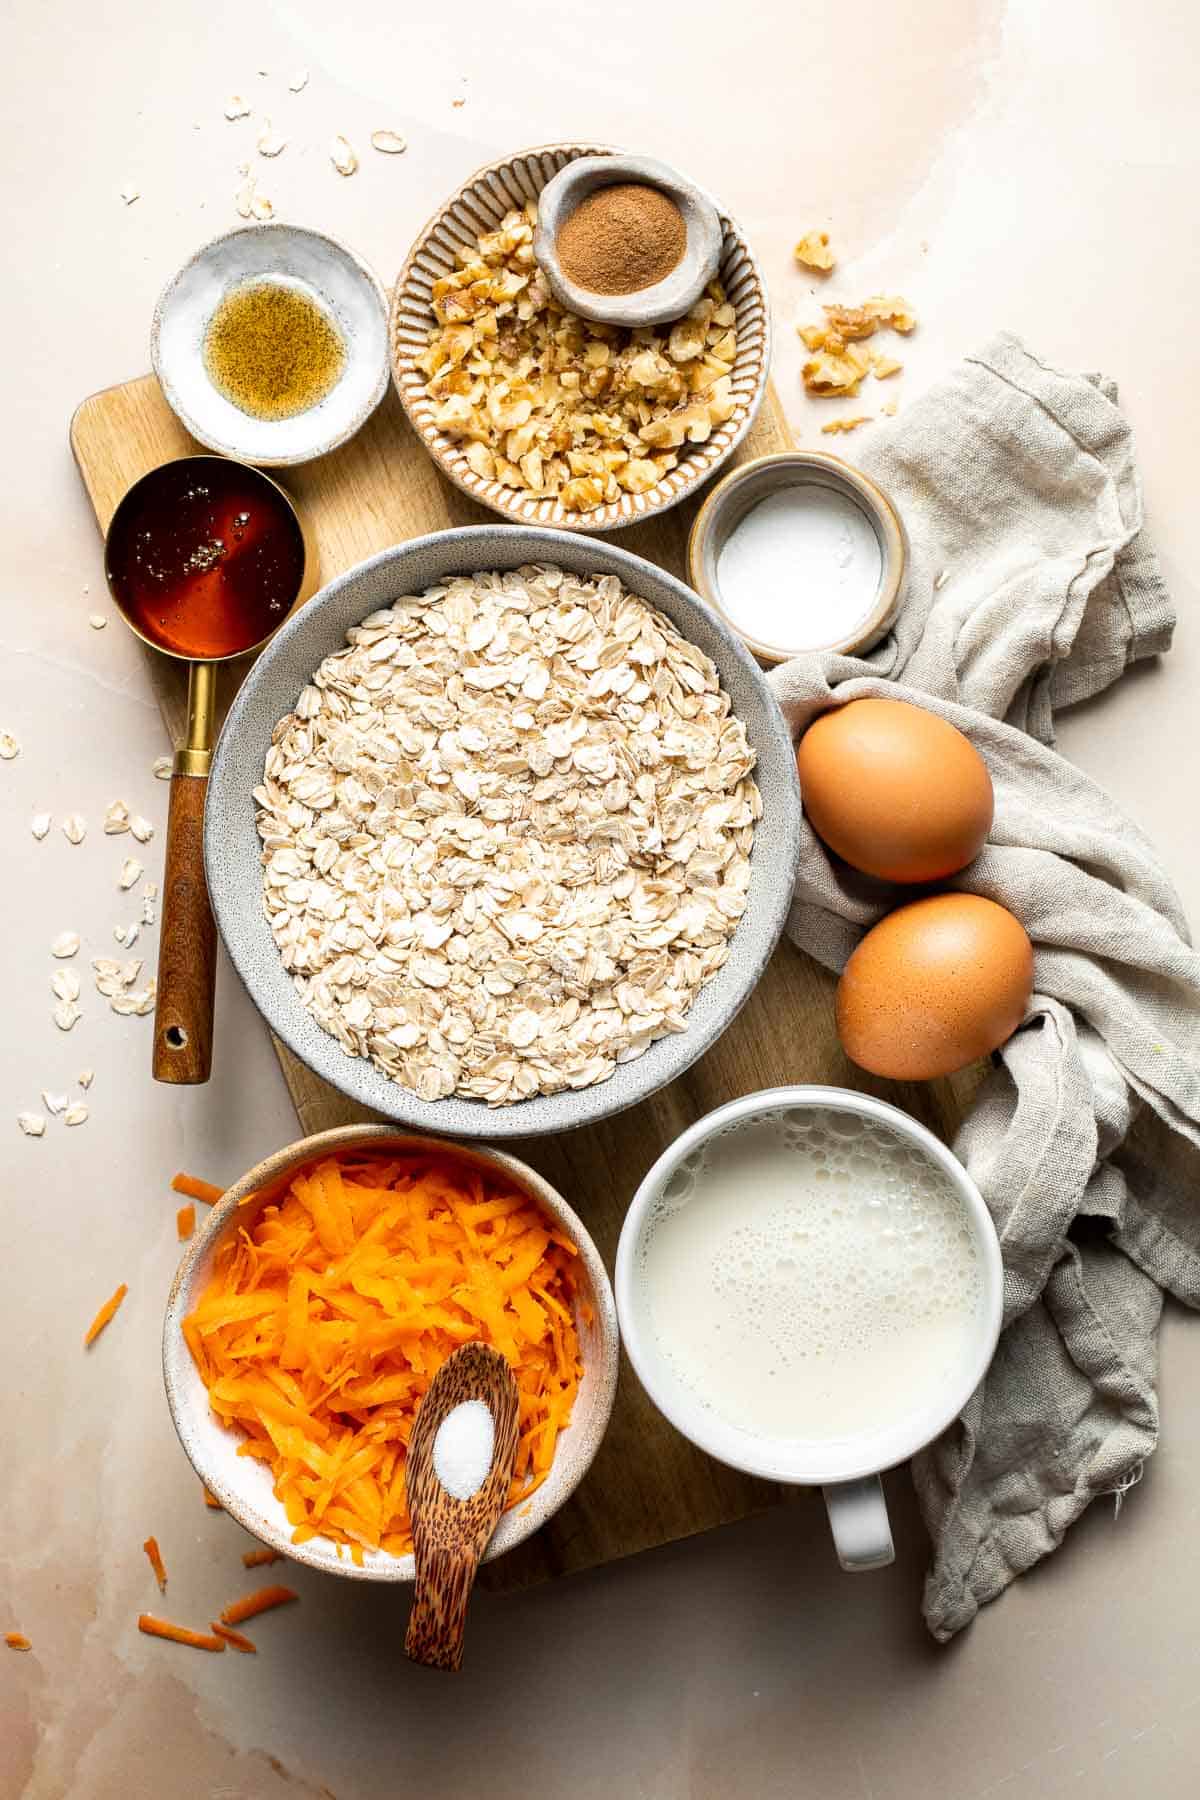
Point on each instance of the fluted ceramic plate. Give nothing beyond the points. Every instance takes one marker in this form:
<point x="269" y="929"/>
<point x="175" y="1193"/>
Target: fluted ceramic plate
<point x="478" y="207"/>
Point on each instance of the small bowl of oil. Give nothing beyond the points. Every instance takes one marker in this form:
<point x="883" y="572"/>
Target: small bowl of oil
<point x="271" y="344"/>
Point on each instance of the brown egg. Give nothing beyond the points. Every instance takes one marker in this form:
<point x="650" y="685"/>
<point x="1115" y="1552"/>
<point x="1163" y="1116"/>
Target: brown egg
<point x="894" y="790"/>
<point x="934" y="986"/>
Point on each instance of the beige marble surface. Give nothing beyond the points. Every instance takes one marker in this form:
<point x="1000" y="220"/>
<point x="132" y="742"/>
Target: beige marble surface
<point x="1005" y="165"/>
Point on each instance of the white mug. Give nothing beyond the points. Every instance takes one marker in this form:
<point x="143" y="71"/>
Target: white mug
<point x="848" y="1468"/>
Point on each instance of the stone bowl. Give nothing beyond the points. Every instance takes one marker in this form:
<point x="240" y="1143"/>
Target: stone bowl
<point x="332" y="276"/>
<point x="270" y="690"/>
<point x="243" y="1485"/>
<point x="667" y="299"/>
<point x="477" y="207"/>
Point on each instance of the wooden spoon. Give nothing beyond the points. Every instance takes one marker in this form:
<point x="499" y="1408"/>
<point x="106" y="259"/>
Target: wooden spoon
<point x="451" y="1535"/>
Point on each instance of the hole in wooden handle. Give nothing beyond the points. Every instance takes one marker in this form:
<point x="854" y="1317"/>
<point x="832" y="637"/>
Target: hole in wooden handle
<point x="175" y="1037"/>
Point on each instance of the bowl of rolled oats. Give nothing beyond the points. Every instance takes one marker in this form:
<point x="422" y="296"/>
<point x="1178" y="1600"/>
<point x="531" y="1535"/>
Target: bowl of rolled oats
<point x="502" y="830"/>
<point x="549" y="418"/>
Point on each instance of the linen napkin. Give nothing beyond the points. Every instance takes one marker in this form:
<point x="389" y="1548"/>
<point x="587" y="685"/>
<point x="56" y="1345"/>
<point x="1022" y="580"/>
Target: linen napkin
<point x="1032" y="584"/>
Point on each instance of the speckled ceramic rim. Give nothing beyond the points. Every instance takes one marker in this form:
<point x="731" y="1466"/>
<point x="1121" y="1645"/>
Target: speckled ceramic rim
<point x="232" y="852"/>
<point x="188" y="1399"/>
<point x="821" y="1461"/>
<point x="265" y="233"/>
<point x="739" y="491"/>
<point x="478" y="206"/>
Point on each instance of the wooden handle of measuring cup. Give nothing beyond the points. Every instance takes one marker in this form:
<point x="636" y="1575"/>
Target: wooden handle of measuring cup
<point x="187" y="945"/>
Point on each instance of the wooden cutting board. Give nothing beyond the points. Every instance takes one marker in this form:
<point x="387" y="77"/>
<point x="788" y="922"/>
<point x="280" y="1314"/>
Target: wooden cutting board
<point x="647" y="1486"/>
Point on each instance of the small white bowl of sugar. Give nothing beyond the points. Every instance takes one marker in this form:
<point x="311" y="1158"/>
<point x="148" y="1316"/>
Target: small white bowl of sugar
<point x="799" y="552"/>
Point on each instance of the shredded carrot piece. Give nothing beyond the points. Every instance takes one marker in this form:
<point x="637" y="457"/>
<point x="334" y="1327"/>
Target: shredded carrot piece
<point x="255" y="1559"/>
<point x="238" y="1639"/>
<point x="326" y="1319"/>
<point x="192" y="1188"/>
<point x="156" y="1562"/>
<point x="185" y="1221"/>
<point x="178" y="1634"/>
<point x="260" y="1601"/>
<point x="211" y="1499"/>
<point x="104" y="1315"/>
<point x="16" y="1640"/>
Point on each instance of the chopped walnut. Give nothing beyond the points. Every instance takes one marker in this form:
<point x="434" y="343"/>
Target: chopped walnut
<point x="559" y="406"/>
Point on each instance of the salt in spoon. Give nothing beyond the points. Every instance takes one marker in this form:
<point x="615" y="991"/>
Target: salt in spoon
<point x="450" y="1535"/>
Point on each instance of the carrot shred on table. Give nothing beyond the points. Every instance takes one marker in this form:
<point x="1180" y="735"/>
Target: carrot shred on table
<point x="192" y="1188"/>
<point x="211" y="1499"/>
<point x="262" y="1600"/>
<point x="327" y="1317"/>
<point x="16" y="1640"/>
<point x="256" y="1559"/>
<point x="185" y="1221"/>
<point x="178" y="1634"/>
<point x="156" y="1562"/>
<point x="103" y="1317"/>
<point x="238" y="1639"/>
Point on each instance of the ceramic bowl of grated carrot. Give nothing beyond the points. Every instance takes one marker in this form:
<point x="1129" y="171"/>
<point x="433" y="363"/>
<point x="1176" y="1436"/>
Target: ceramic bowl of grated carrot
<point x="319" y="1297"/>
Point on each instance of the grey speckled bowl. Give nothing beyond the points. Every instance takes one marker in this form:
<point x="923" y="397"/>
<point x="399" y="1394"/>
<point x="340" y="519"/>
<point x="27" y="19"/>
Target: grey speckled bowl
<point x="231" y="845"/>
<point x="243" y="1484"/>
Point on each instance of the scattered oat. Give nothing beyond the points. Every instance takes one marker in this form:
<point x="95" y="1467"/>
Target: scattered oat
<point x="389" y="142"/>
<point x="127" y="1005"/>
<point x="131" y="871"/>
<point x="243" y="200"/>
<point x="76" y="1114"/>
<point x="32" y="1124"/>
<point x="342" y="156"/>
<point x="55" y="1103"/>
<point x="148" y="915"/>
<point x="67" y="1014"/>
<point x="269" y="141"/>
<point x="940" y="580"/>
<point x="97" y="621"/>
<point x="9" y="747"/>
<point x="261" y="208"/>
<point x="814" y="252"/>
<point x="74" y="828"/>
<point x="163" y="768"/>
<point x="65" y="944"/>
<point x="40" y="825"/>
<point x="116" y="818"/>
<point x="538" y="784"/>
<point x="141" y="828"/>
<point x="835" y="425"/>
<point x="126" y="935"/>
<point x="65" y="985"/>
<point x="150" y="891"/>
<point x="236" y="107"/>
<point x="129" y="193"/>
<point x="85" y="1078"/>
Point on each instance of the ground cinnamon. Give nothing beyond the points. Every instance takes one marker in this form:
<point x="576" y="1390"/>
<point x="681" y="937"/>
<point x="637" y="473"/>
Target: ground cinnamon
<point x="621" y="239"/>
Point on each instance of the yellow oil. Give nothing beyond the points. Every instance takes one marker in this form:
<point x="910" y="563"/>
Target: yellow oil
<point x="272" y="351"/>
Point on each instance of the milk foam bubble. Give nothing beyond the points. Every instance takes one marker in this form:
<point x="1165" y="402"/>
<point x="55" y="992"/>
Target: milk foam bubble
<point x="810" y="1274"/>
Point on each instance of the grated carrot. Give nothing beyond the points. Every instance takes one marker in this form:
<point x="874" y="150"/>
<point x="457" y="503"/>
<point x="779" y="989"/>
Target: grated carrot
<point x="326" y="1319"/>
<point x="237" y="1638"/>
<point x="185" y="1221"/>
<point x="156" y="1562"/>
<point x="192" y="1188"/>
<point x="211" y="1499"/>
<point x="106" y="1313"/>
<point x="16" y="1640"/>
<point x="262" y="1600"/>
<point x="178" y="1634"/>
<point x="255" y="1559"/>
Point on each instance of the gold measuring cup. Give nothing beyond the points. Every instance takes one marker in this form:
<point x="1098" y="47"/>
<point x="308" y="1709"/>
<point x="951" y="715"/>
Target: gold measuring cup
<point x="205" y="558"/>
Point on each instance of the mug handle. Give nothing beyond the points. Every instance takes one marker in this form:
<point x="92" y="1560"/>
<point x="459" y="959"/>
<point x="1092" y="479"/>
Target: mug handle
<point x="858" y="1518"/>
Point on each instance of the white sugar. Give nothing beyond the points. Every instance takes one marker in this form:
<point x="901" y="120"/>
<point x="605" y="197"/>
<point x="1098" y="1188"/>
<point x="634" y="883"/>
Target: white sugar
<point x="801" y="570"/>
<point x="462" y="1449"/>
